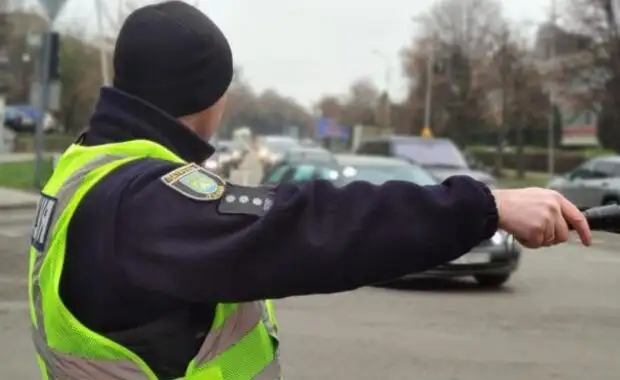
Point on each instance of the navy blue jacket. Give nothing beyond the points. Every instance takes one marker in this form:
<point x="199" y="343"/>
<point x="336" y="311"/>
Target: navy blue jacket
<point x="138" y="250"/>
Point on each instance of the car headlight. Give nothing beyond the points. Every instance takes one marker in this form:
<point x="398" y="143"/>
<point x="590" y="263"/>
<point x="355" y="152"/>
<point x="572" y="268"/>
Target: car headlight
<point x="224" y="158"/>
<point x="349" y="172"/>
<point x="236" y="155"/>
<point x="211" y="164"/>
<point x="263" y="153"/>
<point x="333" y="175"/>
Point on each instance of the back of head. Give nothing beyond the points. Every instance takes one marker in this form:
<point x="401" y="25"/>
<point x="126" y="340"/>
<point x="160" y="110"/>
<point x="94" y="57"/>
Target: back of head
<point x="173" y="56"/>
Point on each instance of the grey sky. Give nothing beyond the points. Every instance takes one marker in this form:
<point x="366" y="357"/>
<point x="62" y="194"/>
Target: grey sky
<point x="308" y="48"/>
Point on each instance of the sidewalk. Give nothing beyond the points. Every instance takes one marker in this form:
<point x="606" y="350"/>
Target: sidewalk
<point x="17" y="200"/>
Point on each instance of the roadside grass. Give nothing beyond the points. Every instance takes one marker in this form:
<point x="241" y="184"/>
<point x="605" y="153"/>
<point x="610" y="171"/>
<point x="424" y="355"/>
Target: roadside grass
<point x="20" y="175"/>
<point x="532" y="179"/>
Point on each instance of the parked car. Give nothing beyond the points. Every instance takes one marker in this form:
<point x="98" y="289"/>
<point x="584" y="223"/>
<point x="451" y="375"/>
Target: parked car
<point x="441" y="157"/>
<point x="23" y="119"/>
<point x="595" y="182"/>
<point x="491" y="263"/>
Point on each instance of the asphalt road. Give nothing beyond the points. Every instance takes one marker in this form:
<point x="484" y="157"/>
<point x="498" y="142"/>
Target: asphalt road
<point x="559" y="318"/>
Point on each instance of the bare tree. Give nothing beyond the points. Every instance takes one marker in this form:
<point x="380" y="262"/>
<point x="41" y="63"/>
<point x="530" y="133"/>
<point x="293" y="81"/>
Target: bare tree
<point x="330" y="107"/>
<point x="361" y="104"/>
<point x="470" y="24"/>
<point x="460" y="37"/>
<point x="515" y="94"/>
<point x="595" y="63"/>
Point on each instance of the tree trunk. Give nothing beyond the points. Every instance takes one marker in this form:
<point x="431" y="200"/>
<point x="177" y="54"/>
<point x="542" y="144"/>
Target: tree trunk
<point x="519" y="154"/>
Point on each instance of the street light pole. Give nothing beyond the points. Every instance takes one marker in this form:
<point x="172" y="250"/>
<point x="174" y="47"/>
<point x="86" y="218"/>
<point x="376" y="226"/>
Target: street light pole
<point x="103" y="56"/>
<point x="428" y="101"/>
<point x="388" y="78"/>
<point x="550" y="128"/>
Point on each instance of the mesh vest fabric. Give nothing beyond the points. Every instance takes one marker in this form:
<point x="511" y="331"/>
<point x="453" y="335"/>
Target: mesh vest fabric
<point x="241" y="344"/>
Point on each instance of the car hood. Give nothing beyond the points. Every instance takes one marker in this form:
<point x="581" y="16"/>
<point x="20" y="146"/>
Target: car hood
<point x="443" y="173"/>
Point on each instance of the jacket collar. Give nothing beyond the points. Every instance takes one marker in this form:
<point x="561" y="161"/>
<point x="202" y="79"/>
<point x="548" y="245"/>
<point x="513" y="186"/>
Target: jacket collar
<point x="121" y="117"/>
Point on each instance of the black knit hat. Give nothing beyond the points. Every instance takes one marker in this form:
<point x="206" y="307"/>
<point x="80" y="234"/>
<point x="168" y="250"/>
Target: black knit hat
<point x="173" y="56"/>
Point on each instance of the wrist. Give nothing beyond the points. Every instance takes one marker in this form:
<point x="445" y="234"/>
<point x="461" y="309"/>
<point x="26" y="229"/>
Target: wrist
<point x="493" y="221"/>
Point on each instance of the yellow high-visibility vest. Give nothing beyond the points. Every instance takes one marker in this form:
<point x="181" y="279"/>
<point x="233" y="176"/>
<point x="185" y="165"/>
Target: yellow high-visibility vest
<point x="241" y="343"/>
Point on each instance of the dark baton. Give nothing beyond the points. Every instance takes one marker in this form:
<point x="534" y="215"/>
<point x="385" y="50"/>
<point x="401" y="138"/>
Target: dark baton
<point x="603" y="218"/>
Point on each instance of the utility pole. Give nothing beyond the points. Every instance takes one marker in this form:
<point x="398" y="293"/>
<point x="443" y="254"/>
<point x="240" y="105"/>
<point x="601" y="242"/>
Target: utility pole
<point x="501" y="128"/>
<point x="103" y="56"/>
<point x="47" y="75"/>
<point x="4" y="66"/>
<point x="428" y="101"/>
<point x="550" y="129"/>
<point x="387" y="106"/>
<point x="388" y="100"/>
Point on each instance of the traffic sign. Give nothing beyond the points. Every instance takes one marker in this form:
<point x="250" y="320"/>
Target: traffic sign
<point x="52" y="8"/>
<point x="426" y="132"/>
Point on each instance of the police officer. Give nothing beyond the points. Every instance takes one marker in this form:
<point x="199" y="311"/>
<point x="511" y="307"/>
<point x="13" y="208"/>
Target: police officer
<point x="144" y="265"/>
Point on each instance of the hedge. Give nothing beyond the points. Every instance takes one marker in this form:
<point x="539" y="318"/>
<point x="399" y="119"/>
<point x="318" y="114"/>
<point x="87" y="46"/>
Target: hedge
<point x="535" y="159"/>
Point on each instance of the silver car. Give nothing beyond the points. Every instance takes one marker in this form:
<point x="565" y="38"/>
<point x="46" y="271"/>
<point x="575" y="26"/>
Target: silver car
<point x="595" y="182"/>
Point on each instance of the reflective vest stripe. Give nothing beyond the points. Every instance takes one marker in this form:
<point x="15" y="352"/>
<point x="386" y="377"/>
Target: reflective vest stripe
<point x="63" y="196"/>
<point x="58" y="365"/>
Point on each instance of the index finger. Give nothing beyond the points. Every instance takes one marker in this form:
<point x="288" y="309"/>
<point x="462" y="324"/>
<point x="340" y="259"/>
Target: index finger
<point x="577" y="220"/>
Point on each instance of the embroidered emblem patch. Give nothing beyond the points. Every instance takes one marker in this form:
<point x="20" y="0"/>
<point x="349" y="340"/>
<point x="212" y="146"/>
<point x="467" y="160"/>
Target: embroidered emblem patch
<point x="195" y="182"/>
<point x="43" y="222"/>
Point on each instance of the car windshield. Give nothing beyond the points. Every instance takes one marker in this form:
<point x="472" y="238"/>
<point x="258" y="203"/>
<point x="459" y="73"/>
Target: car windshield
<point x="379" y="174"/>
<point x="431" y="153"/>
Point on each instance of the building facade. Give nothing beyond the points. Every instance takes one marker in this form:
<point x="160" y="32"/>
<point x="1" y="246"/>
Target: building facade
<point x="566" y="63"/>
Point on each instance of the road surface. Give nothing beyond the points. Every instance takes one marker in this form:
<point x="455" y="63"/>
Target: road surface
<point x="559" y="318"/>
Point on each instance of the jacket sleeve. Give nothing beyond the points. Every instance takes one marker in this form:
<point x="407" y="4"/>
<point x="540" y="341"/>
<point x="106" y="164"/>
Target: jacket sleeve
<point x="315" y="238"/>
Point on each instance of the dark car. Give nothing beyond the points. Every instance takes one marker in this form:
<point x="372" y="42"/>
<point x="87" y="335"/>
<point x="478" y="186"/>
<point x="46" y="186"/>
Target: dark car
<point x="491" y="263"/>
<point x="441" y="157"/>
<point x="18" y="121"/>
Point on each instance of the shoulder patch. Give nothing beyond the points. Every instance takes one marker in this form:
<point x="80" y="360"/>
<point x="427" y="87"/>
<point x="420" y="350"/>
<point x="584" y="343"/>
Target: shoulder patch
<point x="43" y="221"/>
<point x="246" y="201"/>
<point x="195" y="182"/>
